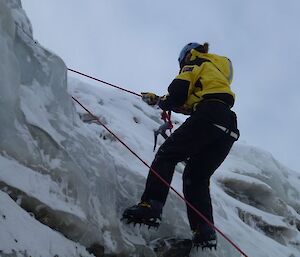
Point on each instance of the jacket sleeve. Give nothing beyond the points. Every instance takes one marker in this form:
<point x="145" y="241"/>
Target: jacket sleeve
<point x="178" y="93"/>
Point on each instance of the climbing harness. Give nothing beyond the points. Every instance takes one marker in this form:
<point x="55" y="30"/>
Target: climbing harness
<point x="228" y="132"/>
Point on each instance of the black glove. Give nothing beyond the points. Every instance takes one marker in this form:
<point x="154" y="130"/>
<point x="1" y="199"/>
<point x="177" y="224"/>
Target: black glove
<point x="150" y="98"/>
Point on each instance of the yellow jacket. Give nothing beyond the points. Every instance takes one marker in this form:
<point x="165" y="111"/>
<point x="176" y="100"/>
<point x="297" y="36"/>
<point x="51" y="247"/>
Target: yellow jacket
<point x="206" y="74"/>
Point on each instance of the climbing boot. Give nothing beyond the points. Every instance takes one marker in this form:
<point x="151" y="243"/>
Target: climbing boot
<point x="144" y="213"/>
<point x="205" y="238"/>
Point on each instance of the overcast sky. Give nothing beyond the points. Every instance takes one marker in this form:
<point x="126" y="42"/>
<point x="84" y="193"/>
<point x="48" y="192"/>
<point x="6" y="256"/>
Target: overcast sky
<point x="135" y="44"/>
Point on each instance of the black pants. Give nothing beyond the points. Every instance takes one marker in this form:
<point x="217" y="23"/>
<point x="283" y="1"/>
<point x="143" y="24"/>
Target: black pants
<point x="204" y="147"/>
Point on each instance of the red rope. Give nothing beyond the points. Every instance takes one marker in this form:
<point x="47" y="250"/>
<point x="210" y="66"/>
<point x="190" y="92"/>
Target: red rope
<point x="104" y="82"/>
<point x="163" y="180"/>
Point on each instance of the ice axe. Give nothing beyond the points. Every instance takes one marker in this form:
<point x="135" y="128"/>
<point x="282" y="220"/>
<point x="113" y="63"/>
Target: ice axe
<point x="163" y="128"/>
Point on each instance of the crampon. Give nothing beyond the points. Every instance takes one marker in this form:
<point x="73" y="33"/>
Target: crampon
<point x="144" y="213"/>
<point x="205" y="240"/>
<point x="212" y="244"/>
<point x="151" y="223"/>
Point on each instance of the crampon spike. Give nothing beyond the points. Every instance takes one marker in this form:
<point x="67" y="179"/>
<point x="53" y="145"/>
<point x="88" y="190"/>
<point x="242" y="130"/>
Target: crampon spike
<point x="153" y="223"/>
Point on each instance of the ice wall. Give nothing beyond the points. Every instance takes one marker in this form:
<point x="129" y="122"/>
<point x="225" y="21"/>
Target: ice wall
<point x="62" y="171"/>
<point x="42" y="132"/>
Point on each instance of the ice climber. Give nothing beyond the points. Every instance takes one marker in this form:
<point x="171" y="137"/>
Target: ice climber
<point x="201" y="90"/>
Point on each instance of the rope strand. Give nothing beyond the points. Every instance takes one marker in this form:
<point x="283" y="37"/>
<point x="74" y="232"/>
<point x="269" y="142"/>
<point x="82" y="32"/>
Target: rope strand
<point x="104" y="82"/>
